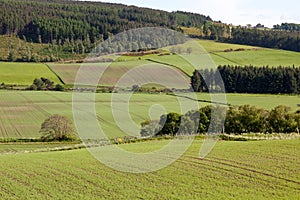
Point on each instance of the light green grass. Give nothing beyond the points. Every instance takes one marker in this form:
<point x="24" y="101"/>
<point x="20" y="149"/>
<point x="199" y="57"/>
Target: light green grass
<point x="252" y="55"/>
<point x="213" y="46"/>
<point x="266" y="57"/>
<point x="24" y="73"/>
<point x="22" y="113"/>
<point x="265" y="101"/>
<point x="233" y="170"/>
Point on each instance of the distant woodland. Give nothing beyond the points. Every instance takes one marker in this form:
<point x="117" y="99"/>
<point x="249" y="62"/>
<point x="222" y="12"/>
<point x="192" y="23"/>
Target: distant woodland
<point x="76" y="26"/>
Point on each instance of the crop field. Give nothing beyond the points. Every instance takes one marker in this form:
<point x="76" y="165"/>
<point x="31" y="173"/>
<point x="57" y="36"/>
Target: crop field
<point x="112" y="73"/>
<point x="22" y="113"/>
<point x="233" y="170"/>
<point x="24" y="73"/>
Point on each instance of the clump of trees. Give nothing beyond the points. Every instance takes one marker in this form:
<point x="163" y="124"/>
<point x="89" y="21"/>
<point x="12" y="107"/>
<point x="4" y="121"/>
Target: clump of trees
<point x="248" y="79"/>
<point x="239" y="120"/>
<point x="45" y="84"/>
<point x="57" y="128"/>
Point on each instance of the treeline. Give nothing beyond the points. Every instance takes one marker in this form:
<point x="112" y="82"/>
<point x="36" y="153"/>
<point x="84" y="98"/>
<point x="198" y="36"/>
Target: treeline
<point x="248" y="79"/>
<point x="288" y="40"/>
<point x="287" y="27"/>
<point x="238" y="120"/>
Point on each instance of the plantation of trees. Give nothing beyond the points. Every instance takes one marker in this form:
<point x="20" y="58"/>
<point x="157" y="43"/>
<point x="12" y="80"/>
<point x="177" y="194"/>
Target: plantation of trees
<point x="70" y="21"/>
<point x="248" y="79"/>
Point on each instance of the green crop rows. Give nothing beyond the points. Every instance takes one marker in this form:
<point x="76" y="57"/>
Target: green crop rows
<point x="233" y="170"/>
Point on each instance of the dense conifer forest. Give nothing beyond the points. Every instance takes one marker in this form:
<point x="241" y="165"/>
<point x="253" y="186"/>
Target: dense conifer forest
<point x="248" y="79"/>
<point x="75" y="26"/>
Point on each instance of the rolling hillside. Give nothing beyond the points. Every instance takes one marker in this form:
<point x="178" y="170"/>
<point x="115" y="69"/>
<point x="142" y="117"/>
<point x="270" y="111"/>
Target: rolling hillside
<point x="221" y="54"/>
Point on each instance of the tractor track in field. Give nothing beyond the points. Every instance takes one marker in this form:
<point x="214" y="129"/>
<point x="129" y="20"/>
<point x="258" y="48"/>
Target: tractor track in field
<point x="70" y="176"/>
<point x="36" y="106"/>
<point x="184" y="159"/>
<point x="57" y="98"/>
<point x="225" y="58"/>
<point x="94" y="173"/>
<point x="244" y="164"/>
<point x="212" y="168"/>
<point x="234" y="165"/>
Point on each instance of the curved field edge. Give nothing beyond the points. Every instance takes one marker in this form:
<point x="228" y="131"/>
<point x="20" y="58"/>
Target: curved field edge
<point x="238" y="170"/>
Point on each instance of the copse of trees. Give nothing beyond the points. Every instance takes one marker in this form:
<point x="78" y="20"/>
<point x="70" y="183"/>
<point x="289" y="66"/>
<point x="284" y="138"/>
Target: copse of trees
<point x="248" y="79"/>
<point x="45" y="84"/>
<point x="239" y="120"/>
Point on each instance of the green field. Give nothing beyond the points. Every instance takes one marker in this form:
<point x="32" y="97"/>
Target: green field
<point x="21" y="113"/>
<point x="233" y="170"/>
<point x="24" y="73"/>
<point x="251" y="55"/>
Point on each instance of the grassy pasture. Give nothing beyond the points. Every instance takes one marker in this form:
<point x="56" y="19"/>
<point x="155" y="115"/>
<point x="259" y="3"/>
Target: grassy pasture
<point x="21" y="113"/>
<point x="233" y="170"/>
<point x="24" y="73"/>
<point x="250" y="55"/>
<point x="264" y="57"/>
<point x="256" y="57"/>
